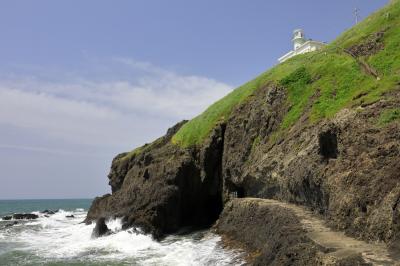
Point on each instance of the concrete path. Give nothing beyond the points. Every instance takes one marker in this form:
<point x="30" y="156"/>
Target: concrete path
<point x="342" y="245"/>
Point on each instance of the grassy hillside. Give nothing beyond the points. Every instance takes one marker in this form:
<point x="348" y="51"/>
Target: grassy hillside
<point x="333" y="77"/>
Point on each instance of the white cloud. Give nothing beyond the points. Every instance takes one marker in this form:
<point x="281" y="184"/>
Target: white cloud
<point x="113" y="111"/>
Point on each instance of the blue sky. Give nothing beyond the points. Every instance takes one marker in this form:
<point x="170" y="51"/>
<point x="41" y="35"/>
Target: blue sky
<point x="81" y="81"/>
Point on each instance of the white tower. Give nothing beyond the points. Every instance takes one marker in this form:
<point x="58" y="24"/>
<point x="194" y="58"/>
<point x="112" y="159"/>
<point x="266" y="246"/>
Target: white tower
<point x="298" y="38"/>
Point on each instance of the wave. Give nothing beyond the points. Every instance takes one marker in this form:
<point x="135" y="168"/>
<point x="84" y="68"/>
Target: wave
<point x="58" y="238"/>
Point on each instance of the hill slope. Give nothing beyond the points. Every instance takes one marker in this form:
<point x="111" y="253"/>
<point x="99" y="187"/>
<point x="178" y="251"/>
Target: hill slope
<point x="321" y="130"/>
<point x="336" y="75"/>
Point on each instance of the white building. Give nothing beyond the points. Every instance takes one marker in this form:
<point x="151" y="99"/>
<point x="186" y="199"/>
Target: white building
<point x="301" y="45"/>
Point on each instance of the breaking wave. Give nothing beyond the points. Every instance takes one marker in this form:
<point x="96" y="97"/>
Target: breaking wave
<point x="62" y="240"/>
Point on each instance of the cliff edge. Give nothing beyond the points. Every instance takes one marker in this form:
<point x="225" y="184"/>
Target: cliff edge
<point x="321" y="130"/>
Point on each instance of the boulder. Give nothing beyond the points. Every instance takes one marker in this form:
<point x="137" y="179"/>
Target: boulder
<point x="7" y="218"/>
<point x="162" y="188"/>
<point x="274" y="235"/>
<point x="25" y="216"/>
<point x="48" y="212"/>
<point x="11" y="224"/>
<point x="70" y="216"/>
<point x="101" y="228"/>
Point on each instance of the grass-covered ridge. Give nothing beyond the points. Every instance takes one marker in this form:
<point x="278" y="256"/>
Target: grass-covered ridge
<point x="197" y="129"/>
<point x="389" y="116"/>
<point x="330" y="77"/>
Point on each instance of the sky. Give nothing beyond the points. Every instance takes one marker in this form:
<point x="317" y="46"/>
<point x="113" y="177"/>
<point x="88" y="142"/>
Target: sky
<point x="81" y="81"/>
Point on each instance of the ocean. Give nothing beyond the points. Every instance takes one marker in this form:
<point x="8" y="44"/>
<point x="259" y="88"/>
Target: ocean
<point x="58" y="240"/>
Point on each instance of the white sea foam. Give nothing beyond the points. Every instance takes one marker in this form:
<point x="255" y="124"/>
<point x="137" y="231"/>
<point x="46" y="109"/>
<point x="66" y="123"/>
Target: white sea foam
<point x="58" y="237"/>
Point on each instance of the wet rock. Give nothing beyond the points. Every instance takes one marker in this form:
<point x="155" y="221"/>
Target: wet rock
<point x="70" y="216"/>
<point x="48" y="212"/>
<point x="156" y="194"/>
<point x="25" y="216"/>
<point x="7" y="218"/>
<point x="344" y="167"/>
<point x="11" y="224"/>
<point x="101" y="228"/>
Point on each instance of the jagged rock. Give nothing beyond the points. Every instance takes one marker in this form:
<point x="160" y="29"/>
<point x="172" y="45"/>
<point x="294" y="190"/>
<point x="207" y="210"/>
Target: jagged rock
<point x="48" y="212"/>
<point x="369" y="47"/>
<point x="345" y="167"/>
<point x="246" y="132"/>
<point x="11" y="224"/>
<point x="6" y="218"/>
<point x="164" y="187"/>
<point x="274" y="235"/>
<point x="339" y="160"/>
<point x="25" y="216"/>
<point x="121" y="164"/>
<point x="101" y="228"/>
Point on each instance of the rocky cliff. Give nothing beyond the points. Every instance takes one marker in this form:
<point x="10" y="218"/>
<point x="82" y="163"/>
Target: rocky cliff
<point x="321" y="130"/>
<point x="163" y="188"/>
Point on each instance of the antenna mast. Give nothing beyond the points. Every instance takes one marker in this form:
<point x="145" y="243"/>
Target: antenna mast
<point x="356" y="13"/>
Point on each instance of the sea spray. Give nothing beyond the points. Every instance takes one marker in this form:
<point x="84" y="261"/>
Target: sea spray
<point x="61" y="240"/>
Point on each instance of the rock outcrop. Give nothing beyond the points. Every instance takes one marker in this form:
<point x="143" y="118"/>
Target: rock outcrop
<point x="164" y="187"/>
<point x="342" y="164"/>
<point x="11" y="224"/>
<point x="49" y="212"/>
<point x="25" y="216"/>
<point x="101" y="228"/>
<point x="280" y="234"/>
<point x="345" y="168"/>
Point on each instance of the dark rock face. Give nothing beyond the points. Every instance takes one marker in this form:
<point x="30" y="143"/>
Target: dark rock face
<point x="247" y="130"/>
<point x="346" y="167"/>
<point x="25" y="216"/>
<point x="101" y="228"/>
<point x="274" y="236"/>
<point x="7" y="218"/>
<point x="48" y="212"/>
<point x="165" y="187"/>
<point x="120" y="167"/>
<point x="328" y="146"/>
<point x="369" y="47"/>
<point x="11" y="224"/>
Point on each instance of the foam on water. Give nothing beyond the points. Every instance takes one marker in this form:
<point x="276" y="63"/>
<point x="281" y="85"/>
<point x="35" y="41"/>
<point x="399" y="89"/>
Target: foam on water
<point x="57" y="238"/>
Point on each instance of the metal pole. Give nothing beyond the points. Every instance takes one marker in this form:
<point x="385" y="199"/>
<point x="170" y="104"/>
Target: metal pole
<point x="356" y="14"/>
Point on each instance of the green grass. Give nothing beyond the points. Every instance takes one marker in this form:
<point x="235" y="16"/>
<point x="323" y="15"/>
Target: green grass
<point x="325" y="81"/>
<point x="389" y="116"/>
<point x="131" y="154"/>
<point x="255" y="143"/>
<point x="318" y="84"/>
<point x="295" y="83"/>
<point x="197" y="129"/>
<point x="140" y="150"/>
<point x="379" y="20"/>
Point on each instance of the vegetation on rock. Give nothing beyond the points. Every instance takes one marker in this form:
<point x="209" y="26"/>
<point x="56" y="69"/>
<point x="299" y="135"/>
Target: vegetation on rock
<point x="320" y="130"/>
<point x="389" y="116"/>
<point x="321" y="83"/>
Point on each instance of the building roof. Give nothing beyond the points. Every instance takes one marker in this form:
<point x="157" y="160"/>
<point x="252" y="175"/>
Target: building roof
<point x="300" y="49"/>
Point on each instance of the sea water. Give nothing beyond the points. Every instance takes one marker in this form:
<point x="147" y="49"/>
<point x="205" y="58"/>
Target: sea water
<point x="58" y="240"/>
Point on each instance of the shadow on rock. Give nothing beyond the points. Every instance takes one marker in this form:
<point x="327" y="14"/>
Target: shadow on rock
<point x="101" y="228"/>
